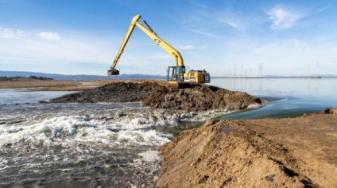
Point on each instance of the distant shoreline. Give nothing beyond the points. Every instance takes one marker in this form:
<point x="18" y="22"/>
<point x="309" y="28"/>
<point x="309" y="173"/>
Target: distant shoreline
<point x="83" y="77"/>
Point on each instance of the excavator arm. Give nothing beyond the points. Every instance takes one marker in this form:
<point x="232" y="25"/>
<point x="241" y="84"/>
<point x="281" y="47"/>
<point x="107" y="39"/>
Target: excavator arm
<point x="155" y="38"/>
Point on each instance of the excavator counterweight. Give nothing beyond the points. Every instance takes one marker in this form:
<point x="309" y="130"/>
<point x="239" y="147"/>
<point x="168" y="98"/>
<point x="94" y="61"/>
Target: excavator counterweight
<point x="176" y="75"/>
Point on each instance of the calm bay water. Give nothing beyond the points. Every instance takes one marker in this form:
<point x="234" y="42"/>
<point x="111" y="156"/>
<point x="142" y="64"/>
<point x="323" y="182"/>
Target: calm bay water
<point x="290" y="97"/>
<point x="20" y="96"/>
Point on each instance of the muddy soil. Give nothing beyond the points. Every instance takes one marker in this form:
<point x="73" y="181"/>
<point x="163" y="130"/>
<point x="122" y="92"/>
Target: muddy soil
<point x="112" y="92"/>
<point x="161" y="95"/>
<point x="52" y="85"/>
<point x="289" y="152"/>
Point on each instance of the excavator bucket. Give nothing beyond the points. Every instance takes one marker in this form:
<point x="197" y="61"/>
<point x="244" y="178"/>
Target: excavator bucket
<point x="113" y="72"/>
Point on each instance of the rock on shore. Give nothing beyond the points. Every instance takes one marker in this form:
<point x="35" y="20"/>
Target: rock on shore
<point x="289" y="152"/>
<point x="160" y="95"/>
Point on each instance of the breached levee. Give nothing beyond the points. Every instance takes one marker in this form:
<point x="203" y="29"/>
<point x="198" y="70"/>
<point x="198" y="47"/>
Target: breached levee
<point x="160" y="95"/>
<point x="287" y="152"/>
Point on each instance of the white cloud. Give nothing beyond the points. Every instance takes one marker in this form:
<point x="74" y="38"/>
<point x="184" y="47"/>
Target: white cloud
<point x="283" y="18"/>
<point x="232" y="22"/>
<point x="325" y="7"/>
<point x="244" y="56"/>
<point x="8" y="33"/>
<point x="186" y="47"/>
<point x="49" y="36"/>
<point x="200" y="32"/>
<point x="26" y="45"/>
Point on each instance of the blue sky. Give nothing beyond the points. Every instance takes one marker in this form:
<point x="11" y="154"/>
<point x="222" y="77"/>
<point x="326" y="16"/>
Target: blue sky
<point x="226" y="37"/>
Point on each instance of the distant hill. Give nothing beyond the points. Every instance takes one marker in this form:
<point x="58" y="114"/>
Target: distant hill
<point x="77" y="77"/>
<point x="17" y="78"/>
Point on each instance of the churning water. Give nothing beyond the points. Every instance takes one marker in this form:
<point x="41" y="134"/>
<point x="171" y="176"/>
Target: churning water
<point x="78" y="144"/>
<point x="116" y="144"/>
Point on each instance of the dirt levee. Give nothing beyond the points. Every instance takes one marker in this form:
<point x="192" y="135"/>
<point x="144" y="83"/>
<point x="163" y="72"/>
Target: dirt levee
<point x="291" y="152"/>
<point x="113" y="92"/>
<point x="161" y="95"/>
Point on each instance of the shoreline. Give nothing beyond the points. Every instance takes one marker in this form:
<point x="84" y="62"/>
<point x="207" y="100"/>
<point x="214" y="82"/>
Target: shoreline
<point x="52" y="85"/>
<point x="293" y="152"/>
<point x="264" y="152"/>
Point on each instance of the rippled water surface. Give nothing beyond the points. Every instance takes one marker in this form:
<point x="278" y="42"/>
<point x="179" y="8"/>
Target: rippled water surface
<point x="78" y="144"/>
<point x="116" y="144"/>
<point x="290" y="97"/>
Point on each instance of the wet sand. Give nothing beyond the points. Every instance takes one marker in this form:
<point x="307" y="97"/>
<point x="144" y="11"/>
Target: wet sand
<point x="52" y="85"/>
<point x="288" y="152"/>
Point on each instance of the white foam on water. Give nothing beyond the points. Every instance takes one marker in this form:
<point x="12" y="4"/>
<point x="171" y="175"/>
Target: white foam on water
<point x="203" y="116"/>
<point x="73" y="134"/>
<point x="3" y="163"/>
<point x="69" y="130"/>
<point x="126" y="139"/>
<point x="254" y="106"/>
<point x="150" y="156"/>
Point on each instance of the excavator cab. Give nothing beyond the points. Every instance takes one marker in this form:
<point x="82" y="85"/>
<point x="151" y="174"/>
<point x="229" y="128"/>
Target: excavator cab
<point x="175" y="73"/>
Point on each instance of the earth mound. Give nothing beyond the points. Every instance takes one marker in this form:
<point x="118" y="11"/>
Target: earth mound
<point x="289" y="152"/>
<point x="331" y="111"/>
<point x="161" y="95"/>
<point x="112" y="92"/>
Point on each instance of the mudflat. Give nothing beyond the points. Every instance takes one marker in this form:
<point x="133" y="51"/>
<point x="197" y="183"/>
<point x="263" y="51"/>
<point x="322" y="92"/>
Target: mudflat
<point x="288" y="152"/>
<point x="52" y="85"/>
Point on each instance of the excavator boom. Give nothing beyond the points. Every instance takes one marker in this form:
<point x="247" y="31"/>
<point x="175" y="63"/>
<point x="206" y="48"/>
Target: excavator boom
<point x="151" y="34"/>
<point x="176" y="75"/>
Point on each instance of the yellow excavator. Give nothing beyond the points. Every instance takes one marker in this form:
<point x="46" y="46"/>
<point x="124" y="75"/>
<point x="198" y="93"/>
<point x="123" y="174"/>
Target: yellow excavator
<point x="176" y="75"/>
